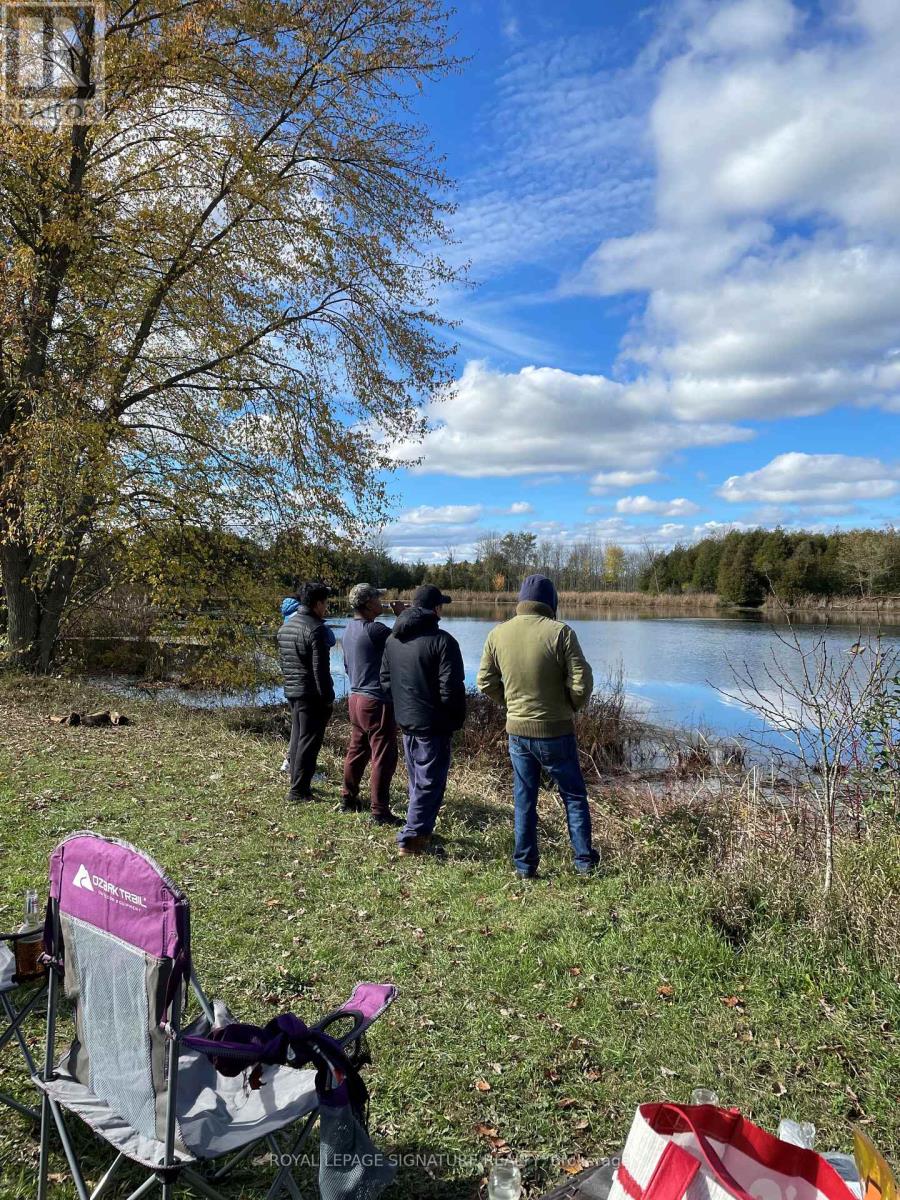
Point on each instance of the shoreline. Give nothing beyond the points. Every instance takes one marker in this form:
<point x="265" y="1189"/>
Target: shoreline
<point x="705" y="602"/>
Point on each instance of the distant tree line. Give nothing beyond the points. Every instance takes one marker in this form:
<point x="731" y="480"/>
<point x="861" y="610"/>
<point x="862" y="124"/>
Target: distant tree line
<point x="741" y="567"/>
<point x="745" y="567"/>
<point x="502" y="560"/>
<point x="221" y="584"/>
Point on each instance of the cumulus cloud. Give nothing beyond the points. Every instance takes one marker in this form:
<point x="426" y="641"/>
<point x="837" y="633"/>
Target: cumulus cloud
<point x="642" y="505"/>
<point x="608" y="481"/>
<point x="748" y="25"/>
<point x="770" y="266"/>
<point x="519" y="508"/>
<point x="444" y="514"/>
<point x="823" y="481"/>
<point x="543" y="419"/>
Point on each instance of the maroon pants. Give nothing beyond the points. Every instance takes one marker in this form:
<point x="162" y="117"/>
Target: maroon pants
<point x="373" y="736"/>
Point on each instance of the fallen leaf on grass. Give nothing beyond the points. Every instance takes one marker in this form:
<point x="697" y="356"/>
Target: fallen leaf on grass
<point x="733" y="1002"/>
<point x="566" y="1102"/>
<point x="574" y="1166"/>
<point x="665" y="991"/>
<point x="487" y="1131"/>
<point x="581" y="1125"/>
<point x="669" y="1074"/>
<point x="482" y="1085"/>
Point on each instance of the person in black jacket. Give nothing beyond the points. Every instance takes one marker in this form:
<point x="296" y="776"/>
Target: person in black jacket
<point x="304" y="650"/>
<point x="422" y="674"/>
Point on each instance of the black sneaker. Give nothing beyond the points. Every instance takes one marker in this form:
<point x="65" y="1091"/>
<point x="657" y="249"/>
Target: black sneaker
<point x="527" y="876"/>
<point x="352" y="806"/>
<point x="387" y="819"/>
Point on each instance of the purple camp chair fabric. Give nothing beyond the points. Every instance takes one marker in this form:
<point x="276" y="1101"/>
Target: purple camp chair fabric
<point x="126" y="934"/>
<point x="120" y="891"/>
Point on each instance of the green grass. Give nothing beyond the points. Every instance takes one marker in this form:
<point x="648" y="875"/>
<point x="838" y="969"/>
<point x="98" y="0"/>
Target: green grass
<point x="573" y="1001"/>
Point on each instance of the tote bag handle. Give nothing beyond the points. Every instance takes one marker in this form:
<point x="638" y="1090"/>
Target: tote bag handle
<point x="768" y="1151"/>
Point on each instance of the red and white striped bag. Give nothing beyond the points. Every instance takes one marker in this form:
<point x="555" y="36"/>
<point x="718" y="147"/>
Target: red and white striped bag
<point x="698" y="1152"/>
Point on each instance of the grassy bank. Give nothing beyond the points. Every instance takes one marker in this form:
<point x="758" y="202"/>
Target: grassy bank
<point x="535" y="1017"/>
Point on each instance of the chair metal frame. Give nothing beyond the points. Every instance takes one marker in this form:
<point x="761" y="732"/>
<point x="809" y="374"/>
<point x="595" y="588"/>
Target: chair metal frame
<point x="15" y="1019"/>
<point x="173" y="1173"/>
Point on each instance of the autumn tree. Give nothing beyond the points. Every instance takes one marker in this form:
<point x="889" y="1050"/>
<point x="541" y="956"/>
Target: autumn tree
<point x="216" y="302"/>
<point x="613" y="565"/>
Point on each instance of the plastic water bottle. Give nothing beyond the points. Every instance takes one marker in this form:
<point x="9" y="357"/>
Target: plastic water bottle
<point x="29" y="945"/>
<point x="704" y="1096"/>
<point x="505" y="1181"/>
<point x="798" y="1133"/>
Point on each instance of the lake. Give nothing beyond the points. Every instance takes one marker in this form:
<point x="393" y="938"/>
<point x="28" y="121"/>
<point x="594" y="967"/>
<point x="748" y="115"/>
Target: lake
<point x="673" y="665"/>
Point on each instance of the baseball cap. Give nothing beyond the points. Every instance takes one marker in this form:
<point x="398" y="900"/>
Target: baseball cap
<point x="362" y="593"/>
<point x="429" y="596"/>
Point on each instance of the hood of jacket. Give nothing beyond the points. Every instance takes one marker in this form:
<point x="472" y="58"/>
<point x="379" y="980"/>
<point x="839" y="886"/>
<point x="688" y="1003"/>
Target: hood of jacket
<point x="289" y="606"/>
<point x="413" y="622"/>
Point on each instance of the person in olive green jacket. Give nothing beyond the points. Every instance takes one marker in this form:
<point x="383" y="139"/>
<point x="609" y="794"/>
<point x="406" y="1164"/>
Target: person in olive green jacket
<point x="534" y="666"/>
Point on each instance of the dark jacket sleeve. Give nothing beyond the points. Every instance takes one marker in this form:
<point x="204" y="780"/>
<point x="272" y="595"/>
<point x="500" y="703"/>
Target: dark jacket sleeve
<point x="452" y="681"/>
<point x="378" y="634"/>
<point x="321" y="664"/>
<point x="386" y="671"/>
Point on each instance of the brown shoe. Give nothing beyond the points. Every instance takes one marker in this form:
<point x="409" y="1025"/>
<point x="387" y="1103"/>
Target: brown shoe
<point x="413" y="846"/>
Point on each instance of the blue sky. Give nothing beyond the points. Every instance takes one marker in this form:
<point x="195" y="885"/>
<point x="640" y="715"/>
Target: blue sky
<point x="682" y="222"/>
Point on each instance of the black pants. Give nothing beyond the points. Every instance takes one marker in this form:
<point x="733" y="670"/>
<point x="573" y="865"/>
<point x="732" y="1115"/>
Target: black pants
<point x="308" y="721"/>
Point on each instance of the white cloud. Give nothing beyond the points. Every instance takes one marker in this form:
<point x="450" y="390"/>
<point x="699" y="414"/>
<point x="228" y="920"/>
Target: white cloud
<point x="445" y="514"/>
<point x="641" y="505"/>
<point x="772" y="260"/>
<point x="608" y="481"/>
<point x="519" y="508"/>
<point x="749" y="25"/>
<point x="541" y="420"/>
<point x="821" y="481"/>
<point x="664" y="258"/>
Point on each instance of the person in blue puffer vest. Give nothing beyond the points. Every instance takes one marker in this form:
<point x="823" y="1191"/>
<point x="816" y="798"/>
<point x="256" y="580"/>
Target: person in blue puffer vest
<point x="289" y="606"/>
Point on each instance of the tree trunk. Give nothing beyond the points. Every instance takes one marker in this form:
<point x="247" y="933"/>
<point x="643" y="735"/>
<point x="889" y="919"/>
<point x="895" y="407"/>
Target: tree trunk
<point x="33" y="613"/>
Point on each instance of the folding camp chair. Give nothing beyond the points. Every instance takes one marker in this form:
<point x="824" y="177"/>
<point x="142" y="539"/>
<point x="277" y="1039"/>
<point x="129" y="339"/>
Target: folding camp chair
<point x="119" y="934"/>
<point x="15" y="1017"/>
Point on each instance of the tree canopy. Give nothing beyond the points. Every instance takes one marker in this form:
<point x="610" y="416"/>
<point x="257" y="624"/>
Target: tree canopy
<point x="218" y="300"/>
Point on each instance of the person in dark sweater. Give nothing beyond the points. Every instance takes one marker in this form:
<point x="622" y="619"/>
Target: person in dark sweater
<point x="422" y="673"/>
<point x="373" y="730"/>
<point x="304" y="651"/>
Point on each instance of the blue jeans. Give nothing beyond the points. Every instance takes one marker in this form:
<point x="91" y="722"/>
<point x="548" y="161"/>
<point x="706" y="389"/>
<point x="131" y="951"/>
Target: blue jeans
<point x="557" y="756"/>
<point x="428" y="766"/>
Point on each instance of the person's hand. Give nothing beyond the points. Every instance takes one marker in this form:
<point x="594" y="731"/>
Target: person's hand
<point x="398" y="606"/>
